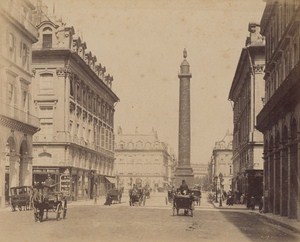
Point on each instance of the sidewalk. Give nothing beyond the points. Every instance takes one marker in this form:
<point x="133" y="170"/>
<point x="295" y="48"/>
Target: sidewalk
<point x="291" y="224"/>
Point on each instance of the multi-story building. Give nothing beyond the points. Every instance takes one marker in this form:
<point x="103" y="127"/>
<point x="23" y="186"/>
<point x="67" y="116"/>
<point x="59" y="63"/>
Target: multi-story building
<point x="200" y="172"/>
<point x="75" y="105"/>
<point x="221" y="163"/>
<point x="17" y="122"/>
<point x="247" y="93"/>
<point x="143" y="159"/>
<point x="279" y="120"/>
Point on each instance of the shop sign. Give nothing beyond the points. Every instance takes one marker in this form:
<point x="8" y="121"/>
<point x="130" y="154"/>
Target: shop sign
<point x="65" y="183"/>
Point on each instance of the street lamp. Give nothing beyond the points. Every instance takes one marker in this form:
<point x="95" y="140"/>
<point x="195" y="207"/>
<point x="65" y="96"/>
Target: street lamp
<point x="216" y="187"/>
<point x="221" y="192"/>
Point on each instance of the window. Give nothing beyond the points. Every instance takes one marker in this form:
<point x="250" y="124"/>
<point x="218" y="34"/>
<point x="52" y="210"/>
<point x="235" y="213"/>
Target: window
<point x="12" y="45"/>
<point x="24" y="98"/>
<point x="46" y="127"/>
<point x="71" y="88"/>
<point x="47" y="41"/>
<point x="10" y="91"/>
<point x="25" y="53"/>
<point x="102" y="137"/>
<point x="46" y="81"/>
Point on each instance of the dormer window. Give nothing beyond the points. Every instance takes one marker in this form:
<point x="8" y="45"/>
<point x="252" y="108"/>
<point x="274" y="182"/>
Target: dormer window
<point x="47" y="41"/>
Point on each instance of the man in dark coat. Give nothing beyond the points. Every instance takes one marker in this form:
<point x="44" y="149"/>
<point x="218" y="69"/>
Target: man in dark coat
<point x="184" y="188"/>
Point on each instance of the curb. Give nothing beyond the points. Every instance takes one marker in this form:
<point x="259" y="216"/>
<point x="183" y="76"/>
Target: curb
<point x="272" y="220"/>
<point x="275" y="221"/>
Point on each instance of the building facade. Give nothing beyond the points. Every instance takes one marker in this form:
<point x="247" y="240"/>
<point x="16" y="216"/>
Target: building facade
<point x="221" y="164"/>
<point x="247" y="93"/>
<point x="17" y="120"/>
<point x="279" y="120"/>
<point x="144" y="160"/>
<point x="75" y="103"/>
<point x="200" y="173"/>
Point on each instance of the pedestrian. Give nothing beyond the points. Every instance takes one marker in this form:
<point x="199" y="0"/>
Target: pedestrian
<point x="261" y="204"/>
<point x="252" y="203"/>
<point x="242" y="198"/>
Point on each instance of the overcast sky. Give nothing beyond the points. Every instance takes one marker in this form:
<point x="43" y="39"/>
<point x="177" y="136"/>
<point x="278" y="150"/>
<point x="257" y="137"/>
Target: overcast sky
<point x="141" y="42"/>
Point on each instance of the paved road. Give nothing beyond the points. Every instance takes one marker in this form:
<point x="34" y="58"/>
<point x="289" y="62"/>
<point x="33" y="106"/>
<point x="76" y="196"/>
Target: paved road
<point x="154" y="222"/>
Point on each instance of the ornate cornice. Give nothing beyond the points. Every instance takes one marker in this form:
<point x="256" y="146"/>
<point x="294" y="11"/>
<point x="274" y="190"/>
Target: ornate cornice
<point x="17" y="125"/>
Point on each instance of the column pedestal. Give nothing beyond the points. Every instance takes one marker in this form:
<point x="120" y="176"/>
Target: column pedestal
<point x="184" y="173"/>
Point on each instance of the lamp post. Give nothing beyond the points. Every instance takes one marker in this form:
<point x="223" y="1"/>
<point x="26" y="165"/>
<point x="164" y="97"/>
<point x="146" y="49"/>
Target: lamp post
<point x="216" y="187"/>
<point x="221" y="191"/>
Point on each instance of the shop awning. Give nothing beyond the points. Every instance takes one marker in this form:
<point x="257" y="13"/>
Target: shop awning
<point x="111" y="180"/>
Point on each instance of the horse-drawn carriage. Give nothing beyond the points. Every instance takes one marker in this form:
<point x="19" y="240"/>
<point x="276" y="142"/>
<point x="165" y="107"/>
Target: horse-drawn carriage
<point x="185" y="202"/>
<point x="137" y="196"/>
<point x="20" y="198"/>
<point x="112" y="195"/>
<point x="196" y="193"/>
<point x="44" y="199"/>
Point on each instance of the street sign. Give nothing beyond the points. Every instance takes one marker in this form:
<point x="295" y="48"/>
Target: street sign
<point x="65" y="183"/>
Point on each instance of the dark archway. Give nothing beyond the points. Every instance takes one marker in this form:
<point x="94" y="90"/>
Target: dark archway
<point x="271" y="175"/>
<point x="284" y="173"/>
<point x="293" y="171"/>
<point x="277" y="174"/>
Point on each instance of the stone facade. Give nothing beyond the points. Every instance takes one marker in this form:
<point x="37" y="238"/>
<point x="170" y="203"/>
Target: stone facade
<point x="279" y="120"/>
<point x="17" y="120"/>
<point x="247" y="93"/>
<point x="75" y="104"/>
<point x="143" y="159"/>
<point x="221" y="164"/>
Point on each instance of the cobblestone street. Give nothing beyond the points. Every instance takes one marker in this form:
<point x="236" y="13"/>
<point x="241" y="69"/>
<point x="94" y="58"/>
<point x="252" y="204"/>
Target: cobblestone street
<point x="154" y="222"/>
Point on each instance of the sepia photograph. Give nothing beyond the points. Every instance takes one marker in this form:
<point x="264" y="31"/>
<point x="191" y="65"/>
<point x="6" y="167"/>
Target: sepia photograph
<point x="149" y="120"/>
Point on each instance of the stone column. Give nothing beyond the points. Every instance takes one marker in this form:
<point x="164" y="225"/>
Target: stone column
<point x="2" y="178"/>
<point x="184" y="170"/>
<point x="14" y="168"/>
<point x="26" y="170"/>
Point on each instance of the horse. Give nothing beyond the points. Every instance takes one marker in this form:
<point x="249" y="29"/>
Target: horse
<point x="45" y="200"/>
<point x="37" y="200"/>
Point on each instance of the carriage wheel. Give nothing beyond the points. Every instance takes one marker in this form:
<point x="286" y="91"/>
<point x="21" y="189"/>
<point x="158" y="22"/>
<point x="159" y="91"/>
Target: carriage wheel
<point x="58" y="210"/>
<point x="65" y="209"/>
<point x="64" y="213"/>
<point x="41" y="214"/>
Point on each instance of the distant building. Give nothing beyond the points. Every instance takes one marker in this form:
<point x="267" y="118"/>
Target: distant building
<point x="75" y="103"/>
<point x="246" y="93"/>
<point x="200" y="172"/>
<point x="17" y="120"/>
<point x="279" y="120"/>
<point x="143" y="159"/>
<point x="221" y="164"/>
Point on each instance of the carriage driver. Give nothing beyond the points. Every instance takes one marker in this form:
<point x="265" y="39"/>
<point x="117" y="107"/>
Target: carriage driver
<point x="50" y="183"/>
<point x="183" y="188"/>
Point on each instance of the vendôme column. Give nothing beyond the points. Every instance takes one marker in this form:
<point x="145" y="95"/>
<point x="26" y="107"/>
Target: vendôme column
<point x="184" y="170"/>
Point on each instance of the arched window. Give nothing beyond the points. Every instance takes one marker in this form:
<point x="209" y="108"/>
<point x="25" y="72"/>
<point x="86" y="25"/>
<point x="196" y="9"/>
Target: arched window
<point x="47" y="38"/>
